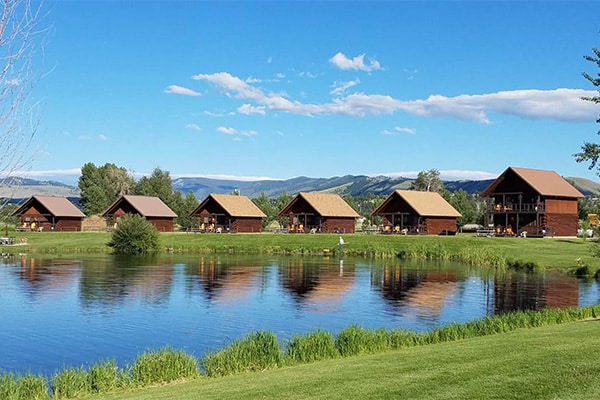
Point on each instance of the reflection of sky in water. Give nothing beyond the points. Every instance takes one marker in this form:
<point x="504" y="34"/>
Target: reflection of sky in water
<point x="63" y="312"/>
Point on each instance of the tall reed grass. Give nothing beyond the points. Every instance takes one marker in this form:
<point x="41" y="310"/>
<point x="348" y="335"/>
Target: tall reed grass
<point x="256" y="352"/>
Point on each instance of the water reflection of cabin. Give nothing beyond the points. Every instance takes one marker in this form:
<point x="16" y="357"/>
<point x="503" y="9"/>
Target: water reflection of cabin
<point x="318" y="212"/>
<point x="49" y="213"/>
<point x="411" y="211"/>
<point x="228" y="213"/>
<point x="153" y="209"/>
<point x="539" y="202"/>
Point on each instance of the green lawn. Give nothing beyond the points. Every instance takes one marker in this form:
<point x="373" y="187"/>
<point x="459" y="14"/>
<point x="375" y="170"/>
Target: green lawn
<point x="555" y="362"/>
<point x="556" y="253"/>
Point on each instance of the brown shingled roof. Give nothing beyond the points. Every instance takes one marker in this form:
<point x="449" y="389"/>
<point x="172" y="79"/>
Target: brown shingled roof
<point x="147" y="206"/>
<point x="326" y="204"/>
<point x="234" y="205"/>
<point x="546" y="183"/>
<point x="426" y="204"/>
<point x="57" y="206"/>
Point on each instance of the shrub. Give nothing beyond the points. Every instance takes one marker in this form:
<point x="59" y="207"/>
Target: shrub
<point x="134" y="235"/>
<point x="314" y="346"/>
<point x="256" y="352"/>
<point x="163" y="366"/>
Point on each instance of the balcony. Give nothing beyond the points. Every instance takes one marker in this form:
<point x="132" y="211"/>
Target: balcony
<point x="532" y="208"/>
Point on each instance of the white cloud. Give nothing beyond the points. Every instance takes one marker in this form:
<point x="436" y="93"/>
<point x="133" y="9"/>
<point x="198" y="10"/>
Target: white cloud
<point x="558" y="104"/>
<point x="249" y="109"/>
<point x="445" y="174"/>
<point x="398" y="130"/>
<point x="357" y="63"/>
<point x="226" y="130"/>
<point x="174" y="89"/>
<point x="193" y="127"/>
<point x="340" y="87"/>
<point x="102" y="137"/>
<point x="248" y="133"/>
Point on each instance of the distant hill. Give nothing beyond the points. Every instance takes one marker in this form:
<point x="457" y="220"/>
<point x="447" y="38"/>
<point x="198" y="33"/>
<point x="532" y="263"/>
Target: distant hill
<point x="355" y="185"/>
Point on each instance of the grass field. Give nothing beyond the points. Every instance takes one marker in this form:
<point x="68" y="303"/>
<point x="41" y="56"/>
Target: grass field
<point x="555" y="362"/>
<point x="564" y="254"/>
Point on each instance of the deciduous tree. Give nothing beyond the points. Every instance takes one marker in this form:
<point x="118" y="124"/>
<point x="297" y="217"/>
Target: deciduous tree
<point x="101" y="186"/>
<point x="428" y="181"/>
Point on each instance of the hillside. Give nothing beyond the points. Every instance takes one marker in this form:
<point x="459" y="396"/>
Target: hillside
<point x="355" y="185"/>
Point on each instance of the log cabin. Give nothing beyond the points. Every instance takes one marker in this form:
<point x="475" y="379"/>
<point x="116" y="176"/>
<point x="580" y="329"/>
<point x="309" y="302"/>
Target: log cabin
<point x="416" y="212"/>
<point x="152" y="208"/>
<point x="49" y="213"/>
<point x="228" y="213"/>
<point x="537" y="202"/>
<point x="318" y="212"/>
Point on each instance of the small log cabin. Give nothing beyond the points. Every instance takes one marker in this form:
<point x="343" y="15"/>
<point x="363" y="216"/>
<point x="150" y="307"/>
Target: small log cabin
<point x="319" y="212"/>
<point x="149" y="207"/>
<point x="538" y="202"/>
<point x="228" y="213"/>
<point x="49" y="213"/>
<point x="411" y="211"/>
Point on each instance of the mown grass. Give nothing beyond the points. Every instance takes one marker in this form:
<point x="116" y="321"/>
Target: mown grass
<point x="261" y="351"/>
<point x="531" y="254"/>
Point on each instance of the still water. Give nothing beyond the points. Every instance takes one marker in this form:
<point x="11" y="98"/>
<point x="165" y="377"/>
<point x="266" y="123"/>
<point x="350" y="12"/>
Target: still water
<point x="57" y="312"/>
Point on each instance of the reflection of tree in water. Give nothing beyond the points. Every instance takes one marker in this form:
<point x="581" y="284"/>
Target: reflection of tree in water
<point x="520" y="291"/>
<point x="110" y="281"/>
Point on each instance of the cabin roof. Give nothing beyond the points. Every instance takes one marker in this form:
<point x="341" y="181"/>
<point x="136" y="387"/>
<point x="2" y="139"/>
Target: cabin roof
<point x="325" y="204"/>
<point x="146" y="206"/>
<point x="234" y="205"/>
<point x="426" y="204"/>
<point x="57" y="206"/>
<point x="544" y="182"/>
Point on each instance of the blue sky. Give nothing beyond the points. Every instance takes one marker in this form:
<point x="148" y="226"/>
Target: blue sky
<point x="260" y="89"/>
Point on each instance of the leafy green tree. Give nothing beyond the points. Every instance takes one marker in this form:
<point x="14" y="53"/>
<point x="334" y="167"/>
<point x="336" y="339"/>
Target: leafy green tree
<point x="158" y="184"/>
<point x="590" y="152"/>
<point x="428" y="181"/>
<point x="464" y="204"/>
<point x="134" y="235"/>
<point x="101" y="186"/>
<point x="267" y="206"/>
<point x="183" y="206"/>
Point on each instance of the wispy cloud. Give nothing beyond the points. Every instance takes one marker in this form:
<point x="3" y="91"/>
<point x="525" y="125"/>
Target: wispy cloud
<point x="453" y="174"/>
<point x="193" y="127"/>
<point x="355" y="63"/>
<point x="397" y="130"/>
<point x="174" y="89"/>
<point x="558" y="104"/>
<point x="340" y="87"/>
<point x="87" y="138"/>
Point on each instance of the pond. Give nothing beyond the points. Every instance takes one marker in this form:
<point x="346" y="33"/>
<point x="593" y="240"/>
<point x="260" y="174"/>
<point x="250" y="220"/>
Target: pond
<point x="57" y="312"/>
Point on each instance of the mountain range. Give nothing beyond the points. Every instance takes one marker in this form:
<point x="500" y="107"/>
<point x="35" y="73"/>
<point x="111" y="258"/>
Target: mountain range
<point x="355" y="185"/>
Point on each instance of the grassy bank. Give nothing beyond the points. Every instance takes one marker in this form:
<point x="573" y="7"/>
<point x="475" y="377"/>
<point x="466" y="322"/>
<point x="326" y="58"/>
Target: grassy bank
<point x="557" y="362"/>
<point x="558" y="253"/>
<point x="521" y="355"/>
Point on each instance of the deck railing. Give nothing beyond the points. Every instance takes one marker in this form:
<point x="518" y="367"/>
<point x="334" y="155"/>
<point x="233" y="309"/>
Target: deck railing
<point x="516" y="207"/>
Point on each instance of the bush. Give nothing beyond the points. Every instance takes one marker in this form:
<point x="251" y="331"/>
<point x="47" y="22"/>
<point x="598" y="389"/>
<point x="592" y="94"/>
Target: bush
<point x="134" y="235"/>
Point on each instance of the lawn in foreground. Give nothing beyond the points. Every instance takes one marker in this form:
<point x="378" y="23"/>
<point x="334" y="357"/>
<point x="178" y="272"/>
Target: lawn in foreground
<point x="555" y="362"/>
